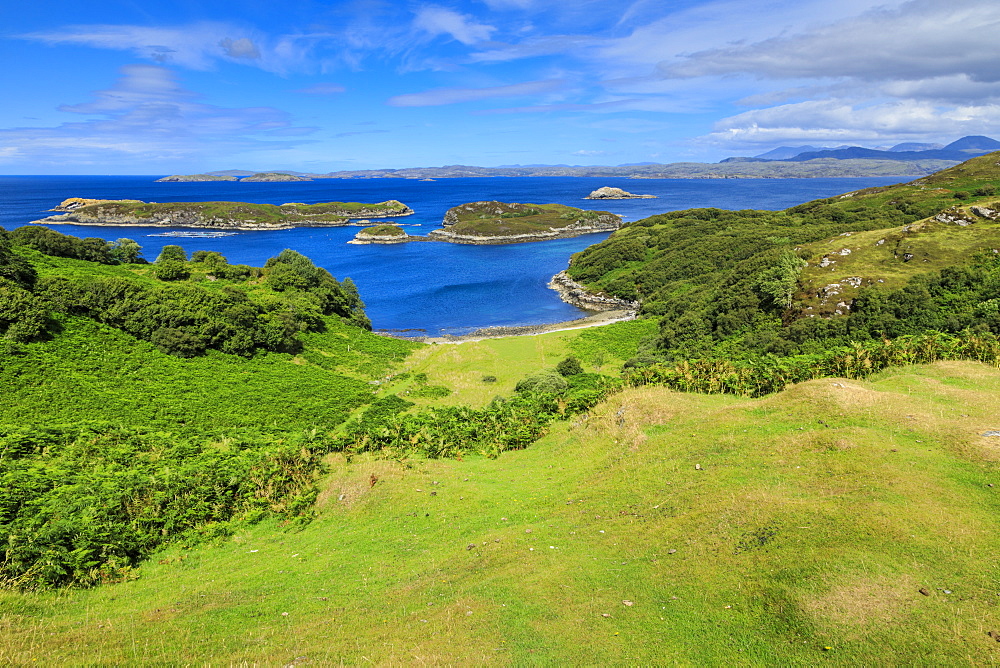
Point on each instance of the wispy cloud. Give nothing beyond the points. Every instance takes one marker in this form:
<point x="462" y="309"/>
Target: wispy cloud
<point x="147" y="117"/>
<point x="442" y="96"/>
<point x="322" y="89"/>
<point x="361" y="132"/>
<point x="441" y="21"/>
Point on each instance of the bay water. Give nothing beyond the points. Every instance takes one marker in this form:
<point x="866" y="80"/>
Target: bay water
<point x="426" y="288"/>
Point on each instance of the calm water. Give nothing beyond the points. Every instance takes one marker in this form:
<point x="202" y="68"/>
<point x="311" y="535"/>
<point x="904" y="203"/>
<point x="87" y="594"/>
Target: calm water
<point x="435" y="287"/>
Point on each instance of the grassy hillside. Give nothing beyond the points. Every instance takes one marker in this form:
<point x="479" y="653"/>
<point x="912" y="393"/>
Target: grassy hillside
<point x="663" y="528"/>
<point x="143" y="406"/>
<point x="737" y="283"/>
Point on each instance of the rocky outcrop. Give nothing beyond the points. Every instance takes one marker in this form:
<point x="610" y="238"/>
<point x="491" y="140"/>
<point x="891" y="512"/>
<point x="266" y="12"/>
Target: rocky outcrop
<point x="573" y="293"/>
<point x="381" y="234"/>
<point x="615" y="193"/>
<point x="194" y="178"/>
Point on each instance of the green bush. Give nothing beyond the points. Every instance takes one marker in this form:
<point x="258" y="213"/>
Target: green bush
<point x="542" y="381"/>
<point x="569" y="366"/>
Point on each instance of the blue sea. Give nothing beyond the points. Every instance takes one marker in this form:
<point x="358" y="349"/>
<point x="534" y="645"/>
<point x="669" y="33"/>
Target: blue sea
<point x="417" y="288"/>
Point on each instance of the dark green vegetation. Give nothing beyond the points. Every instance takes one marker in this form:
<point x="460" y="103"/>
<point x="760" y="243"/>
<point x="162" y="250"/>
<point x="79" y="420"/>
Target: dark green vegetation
<point x="143" y="406"/>
<point x="502" y="219"/>
<point x="223" y="215"/>
<point x="740" y="284"/>
<point x="82" y="505"/>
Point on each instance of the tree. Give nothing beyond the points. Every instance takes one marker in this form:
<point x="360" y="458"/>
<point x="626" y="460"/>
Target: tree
<point x="170" y="270"/>
<point x="172" y="252"/>
<point x="569" y="367"/>
<point x="126" y="251"/>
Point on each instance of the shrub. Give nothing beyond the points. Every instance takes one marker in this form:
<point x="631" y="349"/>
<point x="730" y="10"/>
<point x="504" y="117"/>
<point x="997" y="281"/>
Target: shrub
<point x="569" y="367"/>
<point x="543" y="381"/>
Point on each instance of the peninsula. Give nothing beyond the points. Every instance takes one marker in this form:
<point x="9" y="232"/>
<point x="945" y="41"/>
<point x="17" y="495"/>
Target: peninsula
<point x="506" y="223"/>
<point x="218" y="215"/>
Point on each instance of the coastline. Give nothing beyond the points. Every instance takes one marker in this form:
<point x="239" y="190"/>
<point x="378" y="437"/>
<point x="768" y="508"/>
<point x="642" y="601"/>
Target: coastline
<point x="594" y="320"/>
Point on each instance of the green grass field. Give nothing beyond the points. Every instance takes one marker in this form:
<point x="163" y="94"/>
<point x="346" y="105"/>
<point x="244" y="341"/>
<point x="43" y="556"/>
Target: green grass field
<point x="661" y="528"/>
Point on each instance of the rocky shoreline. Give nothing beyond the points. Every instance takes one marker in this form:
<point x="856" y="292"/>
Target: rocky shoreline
<point x="565" y="233"/>
<point x="573" y="293"/>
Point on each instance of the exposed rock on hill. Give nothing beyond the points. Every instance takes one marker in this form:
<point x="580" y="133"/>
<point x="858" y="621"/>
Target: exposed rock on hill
<point x="615" y="193"/>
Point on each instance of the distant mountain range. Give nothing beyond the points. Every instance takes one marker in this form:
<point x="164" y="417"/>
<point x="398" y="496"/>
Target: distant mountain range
<point x="902" y="160"/>
<point x="959" y="150"/>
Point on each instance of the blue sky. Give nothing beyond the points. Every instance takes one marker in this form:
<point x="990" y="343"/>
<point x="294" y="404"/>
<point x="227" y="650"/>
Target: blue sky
<point x="155" y="87"/>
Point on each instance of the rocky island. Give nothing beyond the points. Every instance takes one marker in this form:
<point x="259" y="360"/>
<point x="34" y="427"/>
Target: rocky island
<point x="507" y="223"/>
<point x="260" y="177"/>
<point x="382" y="234"/>
<point x="615" y="193"/>
<point x="274" y="176"/>
<point x="194" y="178"/>
<point x="218" y="215"/>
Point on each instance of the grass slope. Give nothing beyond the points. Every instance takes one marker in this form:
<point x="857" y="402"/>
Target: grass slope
<point x="812" y="520"/>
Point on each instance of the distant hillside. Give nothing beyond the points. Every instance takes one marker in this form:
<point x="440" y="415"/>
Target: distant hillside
<point x="741" y="168"/>
<point x="961" y="149"/>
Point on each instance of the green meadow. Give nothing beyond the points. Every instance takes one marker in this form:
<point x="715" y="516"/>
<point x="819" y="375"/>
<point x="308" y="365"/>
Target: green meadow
<point x="840" y="522"/>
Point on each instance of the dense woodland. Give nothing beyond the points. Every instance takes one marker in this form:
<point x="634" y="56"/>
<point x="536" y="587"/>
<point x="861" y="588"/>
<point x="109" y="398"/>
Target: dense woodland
<point x="173" y="400"/>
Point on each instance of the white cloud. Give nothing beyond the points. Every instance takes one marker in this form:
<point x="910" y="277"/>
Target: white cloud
<point x="146" y="117"/>
<point x="845" y="122"/>
<point x="442" y="96"/>
<point x="917" y="40"/>
<point x="441" y="21"/>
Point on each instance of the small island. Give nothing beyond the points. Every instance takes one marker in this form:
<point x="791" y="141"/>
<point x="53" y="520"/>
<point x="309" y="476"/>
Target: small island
<point x="381" y="234"/>
<point x="274" y="176"/>
<point x="251" y="178"/>
<point x="195" y="178"/>
<point x="615" y="193"/>
<point x="218" y="215"/>
<point x="508" y="223"/>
